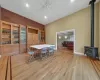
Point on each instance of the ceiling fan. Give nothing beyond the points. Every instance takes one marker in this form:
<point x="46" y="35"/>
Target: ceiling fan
<point x="46" y="4"/>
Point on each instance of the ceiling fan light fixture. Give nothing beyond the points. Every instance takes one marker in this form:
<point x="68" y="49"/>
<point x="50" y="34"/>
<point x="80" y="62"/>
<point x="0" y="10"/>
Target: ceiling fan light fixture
<point x="46" y="4"/>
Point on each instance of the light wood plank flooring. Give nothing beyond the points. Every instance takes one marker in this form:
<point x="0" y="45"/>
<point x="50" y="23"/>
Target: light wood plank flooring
<point x="5" y="68"/>
<point x="60" y="66"/>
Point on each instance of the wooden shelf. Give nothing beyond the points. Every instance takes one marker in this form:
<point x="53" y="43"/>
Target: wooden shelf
<point x="42" y="37"/>
<point x="15" y="34"/>
<point x="5" y="33"/>
<point x="7" y="37"/>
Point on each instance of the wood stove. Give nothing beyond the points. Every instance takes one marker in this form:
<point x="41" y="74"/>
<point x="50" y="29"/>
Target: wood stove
<point x="91" y="51"/>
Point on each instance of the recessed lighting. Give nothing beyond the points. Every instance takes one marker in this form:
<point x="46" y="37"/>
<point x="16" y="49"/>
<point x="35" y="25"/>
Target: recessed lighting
<point x="45" y="17"/>
<point x="72" y="0"/>
<point x="27" y="5"/>
<point x="65" y="37"/>
<point x="59" y="37"/>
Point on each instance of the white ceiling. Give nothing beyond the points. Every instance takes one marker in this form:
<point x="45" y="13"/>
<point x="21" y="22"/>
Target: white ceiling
<point x="57" y="8"/>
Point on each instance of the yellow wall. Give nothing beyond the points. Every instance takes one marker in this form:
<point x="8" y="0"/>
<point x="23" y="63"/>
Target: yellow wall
<point x="80" y="21"/>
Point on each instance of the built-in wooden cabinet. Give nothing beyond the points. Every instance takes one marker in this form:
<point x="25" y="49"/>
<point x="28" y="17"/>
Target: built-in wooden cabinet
<point x="9" y="33"/>
<point x="5" y="33"/>
<point x="9" y="38"/>
<point x="15" y="34"/>
<point x="32" y="36"/>
<point x="15" y="39"/>
<point x="42" y="37"/>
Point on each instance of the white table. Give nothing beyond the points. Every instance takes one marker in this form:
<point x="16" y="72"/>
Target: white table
<point x="41" y="46"/>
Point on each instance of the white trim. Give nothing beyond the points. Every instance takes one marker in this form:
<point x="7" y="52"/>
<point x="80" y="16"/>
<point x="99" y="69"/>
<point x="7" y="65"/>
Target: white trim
<point x="99" y="58"/>
<point x="79" y="53"/>
<point x="55" y="49"/>
<point x="56" y="40"/>
<point x="66" y="31"/>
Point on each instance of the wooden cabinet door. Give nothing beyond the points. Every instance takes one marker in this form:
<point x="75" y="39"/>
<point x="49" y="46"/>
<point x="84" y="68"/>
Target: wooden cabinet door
<point x="35" y="39"/>
<point x="30" y="39"/>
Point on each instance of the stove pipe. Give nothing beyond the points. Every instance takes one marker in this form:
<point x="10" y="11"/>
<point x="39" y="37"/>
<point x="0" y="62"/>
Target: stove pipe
<point x="92" y="22"/>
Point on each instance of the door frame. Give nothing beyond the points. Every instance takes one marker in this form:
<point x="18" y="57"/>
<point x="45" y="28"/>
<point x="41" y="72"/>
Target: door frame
<point x="72" y="30"/>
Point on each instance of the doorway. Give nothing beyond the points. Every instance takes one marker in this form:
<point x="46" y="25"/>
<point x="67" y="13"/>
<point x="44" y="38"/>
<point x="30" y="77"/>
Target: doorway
<point x="65" y="40"/>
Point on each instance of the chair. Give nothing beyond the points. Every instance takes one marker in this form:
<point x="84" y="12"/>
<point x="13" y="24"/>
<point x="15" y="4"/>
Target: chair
<point x="51" y="50"/>
<point x="31" y="55"/>
<point x="43" y="52"/>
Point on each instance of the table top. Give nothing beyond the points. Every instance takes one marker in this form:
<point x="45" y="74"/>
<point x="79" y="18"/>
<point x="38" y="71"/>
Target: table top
<point x="42" y="46"/>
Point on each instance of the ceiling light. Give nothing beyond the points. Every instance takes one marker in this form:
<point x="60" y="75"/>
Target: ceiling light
<point x="59" y="37"/>
<point x="27" y="5"/>
<point x="45" y="17"/>
<point x="72" y="0"/>
<point x="65" y="37"/>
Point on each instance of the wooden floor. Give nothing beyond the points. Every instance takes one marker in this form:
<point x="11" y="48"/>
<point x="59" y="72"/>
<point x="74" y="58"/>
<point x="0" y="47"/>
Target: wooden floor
<point x="63" y="65"/>
<point x="5" y="68"/>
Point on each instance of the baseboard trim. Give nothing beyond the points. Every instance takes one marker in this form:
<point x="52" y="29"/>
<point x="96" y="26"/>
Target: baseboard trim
<point x="99" y="58"/>
<point x="55" y="48"/>
<point x="78" y="53"/>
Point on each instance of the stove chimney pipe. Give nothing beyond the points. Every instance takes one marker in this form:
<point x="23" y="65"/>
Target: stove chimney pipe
<point x="92" y="21"/>
<point x="92" y="51"/>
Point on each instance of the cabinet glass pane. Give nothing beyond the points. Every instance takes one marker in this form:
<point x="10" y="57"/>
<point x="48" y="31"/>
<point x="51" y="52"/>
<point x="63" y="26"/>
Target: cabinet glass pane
<point x="6" y="34"/>
<point x="23" y="35"/>
<point x="15" y="35"/>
